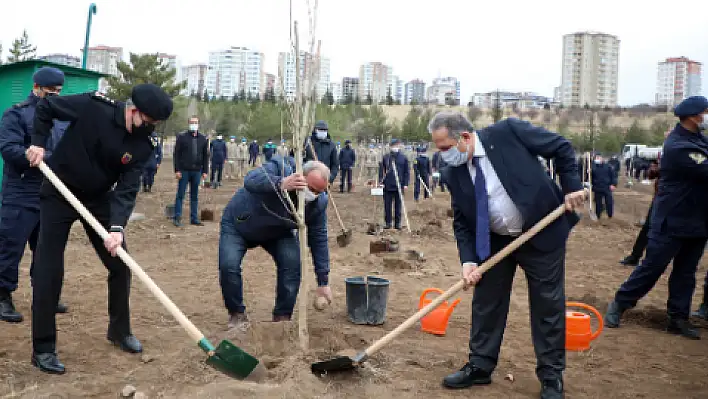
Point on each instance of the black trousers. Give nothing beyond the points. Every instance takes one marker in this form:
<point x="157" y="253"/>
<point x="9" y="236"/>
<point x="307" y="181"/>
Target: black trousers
<point x="604" y="202"/>
<point x="641" y="242"/>
<point x="345" y="176"/>
<point x="545" y="276"/>
<point x="392" y="202"/>
<point x="57" y="216"/>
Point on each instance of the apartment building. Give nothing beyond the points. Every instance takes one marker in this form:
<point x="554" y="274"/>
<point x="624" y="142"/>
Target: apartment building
<point x="195" y="76"/>
<point x="590" y="70"/>
<point x="336" y="90"/>
<point x="63" y="59"/>
<point x="104" y="59"/>
<point x="507" y="99"/>
<point x="271" y="82"/>
<point x="235" y="69"/>
<point x="350" y="88"/>
<point x="172" y="62"/>
<point x="444" y="91"/>
<point x="414" y="92"/>
<point x="287" y="79"/>
<point x="677" y="78"/>
<point x="375" y="78"/>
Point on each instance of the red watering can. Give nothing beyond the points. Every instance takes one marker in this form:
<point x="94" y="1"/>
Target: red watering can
<point x="578" y="332"/>
<point x="435" y="322"/>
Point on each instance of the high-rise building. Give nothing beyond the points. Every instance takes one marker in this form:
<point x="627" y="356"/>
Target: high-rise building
<point x="271" y="82"/>
<point x="677" y="78"/>
<point x="235" y="70"/>
<point x="444" y="91"/>
<point x="171" y="62"/>
<point x="414" y="92"/>
<point x="396" y="89"/>
<point x="195" y="76"/>
<point x="374" y="80"/>
<point x="287" y="78"/>
<point x="336" y="89"/>
<point x="350" y="89"/>
<point x="104" y="59"/>
<point x="590" y="70"/>
<point x="63" y="59"/>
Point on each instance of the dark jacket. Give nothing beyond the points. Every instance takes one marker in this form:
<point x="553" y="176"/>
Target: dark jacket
<point x="513" y="147"/>
<point x="218" y="151"/>
<point x="258" y="212"/>
<point x="386" y="174"/>
<point x="438" y="162"/>
<point x="615" y="163"/>
<point x="603" y="176"/>
<point x="156" y="158"/>
<point x="347" y="157"/>
<point x="422" y="166"/>
<point x="253" y="149"/>
<point x="191" y="153"/>
<point x="680" y="203"/>
<point x="20" y="183"/>
<point x="269" y="150"/>
<point x="325" y="152"/>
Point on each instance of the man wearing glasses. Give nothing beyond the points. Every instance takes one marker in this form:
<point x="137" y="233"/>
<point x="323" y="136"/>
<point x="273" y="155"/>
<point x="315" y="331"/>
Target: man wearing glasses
<point x="19" y="214"/>
<point x="100" y="159"/>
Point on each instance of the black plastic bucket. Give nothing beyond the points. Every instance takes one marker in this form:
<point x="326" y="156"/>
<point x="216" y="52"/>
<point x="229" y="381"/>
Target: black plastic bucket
<point x="367" y="299"/>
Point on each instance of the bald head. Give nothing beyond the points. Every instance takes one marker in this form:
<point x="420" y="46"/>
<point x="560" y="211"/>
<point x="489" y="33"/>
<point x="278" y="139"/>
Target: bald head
<point x="317" y="176"/>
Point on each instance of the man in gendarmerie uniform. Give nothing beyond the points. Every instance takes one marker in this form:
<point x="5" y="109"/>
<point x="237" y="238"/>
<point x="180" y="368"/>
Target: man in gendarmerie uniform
<point x="106" y="145"/>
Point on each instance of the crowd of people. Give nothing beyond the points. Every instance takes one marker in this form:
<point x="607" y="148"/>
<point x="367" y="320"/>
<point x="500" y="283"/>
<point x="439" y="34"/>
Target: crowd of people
<point x="104" y="150"/>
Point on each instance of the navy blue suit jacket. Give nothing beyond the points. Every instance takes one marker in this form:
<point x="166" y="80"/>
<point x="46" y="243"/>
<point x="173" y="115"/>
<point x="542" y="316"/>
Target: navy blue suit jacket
<point x="513" y="147"/>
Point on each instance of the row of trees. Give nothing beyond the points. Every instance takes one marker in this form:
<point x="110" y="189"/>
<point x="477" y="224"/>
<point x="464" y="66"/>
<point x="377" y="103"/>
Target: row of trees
<point x="20" y="50"/>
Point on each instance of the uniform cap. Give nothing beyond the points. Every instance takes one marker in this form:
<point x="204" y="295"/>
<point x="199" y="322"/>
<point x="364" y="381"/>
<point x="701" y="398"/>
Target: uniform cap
<point x="48" y="77"/>
<point x="152" y="101"/>
<point x="691" y="106"/>
<point x="347" y="141"/>
<point x="321" y="125"/>
<point x="395" y="141"/>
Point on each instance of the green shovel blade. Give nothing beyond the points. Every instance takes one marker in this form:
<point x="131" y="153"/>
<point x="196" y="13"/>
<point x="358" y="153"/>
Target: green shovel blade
<point x="232" y="360"/>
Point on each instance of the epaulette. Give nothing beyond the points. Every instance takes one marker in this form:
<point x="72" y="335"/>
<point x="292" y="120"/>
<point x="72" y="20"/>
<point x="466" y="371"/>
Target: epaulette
<point x="102" y="97"/>
<point x="22" y="104"/>
<point x="155" y="141"/>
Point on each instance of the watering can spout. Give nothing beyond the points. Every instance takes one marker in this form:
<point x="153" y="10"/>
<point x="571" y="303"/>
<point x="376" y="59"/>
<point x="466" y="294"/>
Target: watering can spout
<point x="436" y="321"/>
<point x="579" y="332"/>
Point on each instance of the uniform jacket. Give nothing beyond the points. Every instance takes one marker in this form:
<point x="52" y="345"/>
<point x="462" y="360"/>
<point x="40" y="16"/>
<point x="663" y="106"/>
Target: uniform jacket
<point x="680" y="203"/>
<point x="512" y="147"/>
<point x="347" y="157"/>
<point x="422" y="166"/>
<point x="283" y="150"/>
<point x="156" y="158"/>
<point x="97" y="156"/>
<point x="242" y="151"/>
<point x="326" y="152"/>
<point x="20" y="183"/>
<point x="231" y="151"/>
<point x="259" y="214"/>
<point x="438" y="162"/>
<point x="615" y="163"/>
<point x="388" y="176"/>
<point x="219" y="152"/>
<point x="371" y="158"/>
<point x="603" y="176"/>
<point x="186" y="157"/>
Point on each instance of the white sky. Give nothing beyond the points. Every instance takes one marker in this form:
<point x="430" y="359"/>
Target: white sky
<point x="507" y="44"/>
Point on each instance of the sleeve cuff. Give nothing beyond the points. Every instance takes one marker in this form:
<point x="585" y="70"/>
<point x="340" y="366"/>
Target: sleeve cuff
<point x="39" y="141"/>
<point x="322" y="279"/>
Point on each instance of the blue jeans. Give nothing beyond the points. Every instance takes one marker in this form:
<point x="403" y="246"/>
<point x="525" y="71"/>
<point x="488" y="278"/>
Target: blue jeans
<point x="286" y="254"/>
<point x="191" y="177"/>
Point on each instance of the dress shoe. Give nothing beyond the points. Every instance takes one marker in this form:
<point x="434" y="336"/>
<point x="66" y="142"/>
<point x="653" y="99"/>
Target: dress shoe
<point x="48" y="362"/>
<point x="702" y="312"/>
<point x="684" y="328"/>
<point x="613" y="315"/>
<point x="197" y="223"/>
<point x="552" y="389"/>
<point x="468" y="376"/>
<point x="128" y="343"/>
<point x="277" y="318"/>
<point x="238" y="320"/>
<point x="61" y="308"/>
<point x="8" y="312"/>
<point x="177" y="222"/>
<point x="630" y="261"/>
<point x="387" y="227"/>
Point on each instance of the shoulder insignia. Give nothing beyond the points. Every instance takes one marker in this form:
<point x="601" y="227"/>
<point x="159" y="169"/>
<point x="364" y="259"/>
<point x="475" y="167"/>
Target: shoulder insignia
<point x="22" y="104"/>
<point x="126" y="158"/>
<point x="154" y="141"/>
<point x="697" y="157"/>
<point x="102" y="97"/>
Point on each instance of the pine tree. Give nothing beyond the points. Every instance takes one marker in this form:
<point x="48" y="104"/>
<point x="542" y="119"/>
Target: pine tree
<point x="143" y="68"/>
<point x="22" y="49"/>
<point x="389" y="97"/>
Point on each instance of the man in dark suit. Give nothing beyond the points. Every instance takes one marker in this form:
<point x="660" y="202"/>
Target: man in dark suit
<point x="499" y="189"/>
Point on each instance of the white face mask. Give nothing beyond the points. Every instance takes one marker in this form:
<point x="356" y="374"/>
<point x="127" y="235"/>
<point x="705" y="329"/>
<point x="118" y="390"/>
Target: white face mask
<point x="704" y="125"/>
<point x="321" y="134"/>
<point x="598" y="161"/>
<point x="395" y="149"/>
<point x="193" y="127"/>
<point x="309" y="195"/>
<point x="454" y="157"/>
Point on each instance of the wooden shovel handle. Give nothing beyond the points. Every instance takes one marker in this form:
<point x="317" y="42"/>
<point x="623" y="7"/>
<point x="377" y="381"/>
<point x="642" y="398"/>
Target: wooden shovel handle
<point x="491" y="262"/>
<point x="191" y="329"/>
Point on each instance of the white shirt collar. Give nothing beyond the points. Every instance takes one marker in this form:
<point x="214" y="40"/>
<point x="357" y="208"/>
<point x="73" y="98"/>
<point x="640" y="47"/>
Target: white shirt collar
<point x="478" y="147"/>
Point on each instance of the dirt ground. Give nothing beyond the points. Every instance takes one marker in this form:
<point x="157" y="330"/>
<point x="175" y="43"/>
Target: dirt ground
<point x="637" y="361"/>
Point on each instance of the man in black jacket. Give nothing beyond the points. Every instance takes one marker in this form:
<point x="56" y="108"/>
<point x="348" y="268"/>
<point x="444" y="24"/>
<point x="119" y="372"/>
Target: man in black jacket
<point x="604" y="182"/>
<point x="325" y="149"/>
<point x="191" y="160"/>
<point x="347" y="159"/>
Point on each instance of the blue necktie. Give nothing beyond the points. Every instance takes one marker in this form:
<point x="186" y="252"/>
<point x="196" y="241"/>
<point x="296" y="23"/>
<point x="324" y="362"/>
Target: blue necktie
<point x="480" y="192"/>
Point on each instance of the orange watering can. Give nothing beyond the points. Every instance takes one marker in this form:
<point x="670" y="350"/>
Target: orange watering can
<point x="435" y="322"/>
<point x="578" y="332"/>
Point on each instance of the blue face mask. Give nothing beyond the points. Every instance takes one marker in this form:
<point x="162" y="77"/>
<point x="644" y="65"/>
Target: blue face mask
<point x="454" y="157"/>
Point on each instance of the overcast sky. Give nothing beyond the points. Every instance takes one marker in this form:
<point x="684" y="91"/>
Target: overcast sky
<point x="511" y="44"/>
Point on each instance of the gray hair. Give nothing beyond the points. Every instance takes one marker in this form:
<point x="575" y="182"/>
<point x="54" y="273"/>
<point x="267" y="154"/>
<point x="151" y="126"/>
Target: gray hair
<point x="455" y="123"/>
<point x="310" y="166"/>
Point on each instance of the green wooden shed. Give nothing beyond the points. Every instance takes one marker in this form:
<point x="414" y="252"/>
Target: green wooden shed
<point x="16" y="82"/>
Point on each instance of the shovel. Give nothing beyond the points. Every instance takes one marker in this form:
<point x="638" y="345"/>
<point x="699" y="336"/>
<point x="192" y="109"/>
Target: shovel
<point x="227" y="357"/>
<point x="345" y="363"/>
<point x="344" y="237"/>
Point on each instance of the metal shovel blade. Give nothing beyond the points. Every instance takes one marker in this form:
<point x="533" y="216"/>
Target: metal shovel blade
<point x="233" y="361"/>
<point x="344" y="238"/>
<point x="339" y="363"/>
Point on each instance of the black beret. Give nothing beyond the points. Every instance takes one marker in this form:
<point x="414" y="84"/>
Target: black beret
<point x="48" y="77"/>
<point x="152" y="101"/>
<point x="347" y="141"/>
<point x="691" y="106"/>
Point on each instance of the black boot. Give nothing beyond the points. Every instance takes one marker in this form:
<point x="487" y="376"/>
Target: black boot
<point x="61" y="308"/>
<point x="631" y="260"/>
<point x="613" y="315"/>
<point x="552" y="389"/>
<point x="177" y="222"/>
<point x="683" y="327"/>
<point x="468" y="376"/>
<point x="48" y="362"/>
<point x="8" y="312"/>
